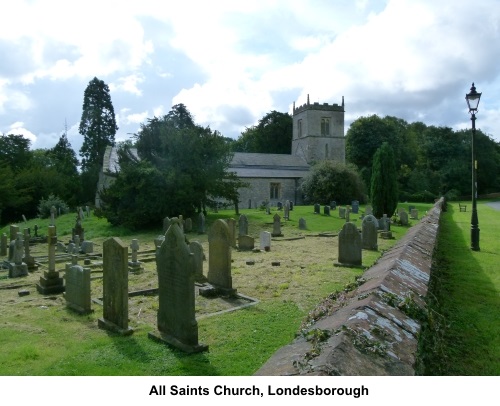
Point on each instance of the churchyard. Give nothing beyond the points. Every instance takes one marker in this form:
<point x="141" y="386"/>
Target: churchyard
<point x="274" y="289"/>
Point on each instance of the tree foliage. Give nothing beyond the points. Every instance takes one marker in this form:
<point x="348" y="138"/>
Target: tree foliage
<point x="182" y="169"/>
<point x="384" y="185"/>
<point x="329" y="180"/>
<point x="272" y="135"/>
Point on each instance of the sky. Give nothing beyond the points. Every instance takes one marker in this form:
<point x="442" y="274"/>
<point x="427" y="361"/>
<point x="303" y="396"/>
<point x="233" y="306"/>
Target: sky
<point x="231" y="62"/>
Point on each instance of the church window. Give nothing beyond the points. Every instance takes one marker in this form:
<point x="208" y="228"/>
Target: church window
<point x="299" y="128"/>
<point x="275" y="190"/>
<point x="325" y="126"/>
<point x="326" y="152"/>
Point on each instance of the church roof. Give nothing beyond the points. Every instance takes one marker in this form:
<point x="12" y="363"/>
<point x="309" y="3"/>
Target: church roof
<point x="254" y="165"/>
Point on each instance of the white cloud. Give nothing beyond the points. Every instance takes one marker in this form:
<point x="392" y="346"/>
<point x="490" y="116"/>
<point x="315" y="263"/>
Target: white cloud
<point x="128" y="84"/>
<point x="18" y="128"/>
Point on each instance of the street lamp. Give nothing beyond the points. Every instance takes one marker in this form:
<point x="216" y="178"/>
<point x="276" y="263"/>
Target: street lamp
<point x="473" y="98"/>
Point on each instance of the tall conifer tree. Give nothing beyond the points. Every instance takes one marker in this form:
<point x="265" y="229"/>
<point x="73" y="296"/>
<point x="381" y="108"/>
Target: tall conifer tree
<point x="384" y="184"/>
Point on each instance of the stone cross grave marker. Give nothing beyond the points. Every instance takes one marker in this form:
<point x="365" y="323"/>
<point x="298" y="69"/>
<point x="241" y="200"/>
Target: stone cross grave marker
<point x="50" y="282"/>
<point x="134" y="265"/>
<point x="176" y="320"/>
<point x="115" y="287"/>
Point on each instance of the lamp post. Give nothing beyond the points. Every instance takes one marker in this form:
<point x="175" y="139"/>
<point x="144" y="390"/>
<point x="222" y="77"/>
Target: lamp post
<point x="473" y="98"/>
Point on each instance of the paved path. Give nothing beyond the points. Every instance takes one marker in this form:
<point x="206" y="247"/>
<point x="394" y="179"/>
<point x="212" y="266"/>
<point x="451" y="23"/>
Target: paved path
<point x="495" y="205"/>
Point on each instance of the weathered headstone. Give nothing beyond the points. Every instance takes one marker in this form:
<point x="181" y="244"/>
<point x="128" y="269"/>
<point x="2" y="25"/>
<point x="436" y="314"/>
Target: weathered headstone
<point x="53" y="212"/>
<point x="347" y="214"/>
<point x="342" y="212"/>
<point x="369" y="233"/>
<point x="286" y="210"/>
<point x="71" y="248"/>
<point x="231" y="224"/>
<point x="414" y="214"/>
<point x="403" y="218"/>
<point x="28" y="259"/>
<point x="333" y="205"/>
<point x="317" y="208"/>
<point x="355" y="206"/>
<point x="134" y="265"/>
<point x="350" y="245"/>
<point x="3" y="245"/>
<point x="177" y="325"/>
<point x="265" y="240"/>
<point x="76" y="240"/>
<point x="14" y="229"/>
<point x="115" y="287"/>
<point x="368" y="210"/>
<point x="291" y="205"/>
<point x="78" y="289"/>
<point x="198" y="257"/>
<point x="302" y="224"/>
<point x="87" y="209"/>
<point x="326" y="210"/>
<point x="280" y="206"/>
<point x="219" y="258"/>
<point x="277" y="226"/>
<point x="243" y="225"/>
<point x="87" y="247"/>
<point x="50" y="282"/>
<point x="246" y="243"/>
<point x="410" y="208"/>
<point x="17" y="267"/>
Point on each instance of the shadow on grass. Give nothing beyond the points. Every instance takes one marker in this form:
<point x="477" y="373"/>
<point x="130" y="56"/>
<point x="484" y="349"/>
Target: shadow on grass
<point x="461" y="334"/>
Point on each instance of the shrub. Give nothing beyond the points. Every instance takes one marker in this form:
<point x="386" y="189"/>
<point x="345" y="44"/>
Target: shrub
<point x="45" y="205"/>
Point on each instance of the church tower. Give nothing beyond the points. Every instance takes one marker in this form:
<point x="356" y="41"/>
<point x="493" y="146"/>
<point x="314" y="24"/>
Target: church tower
<point x="318" y="132"/>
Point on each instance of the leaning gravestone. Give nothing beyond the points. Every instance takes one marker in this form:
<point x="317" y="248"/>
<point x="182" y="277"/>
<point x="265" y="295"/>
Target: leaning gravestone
<point x="277" y="226"/>
<point x="369" y="233"/>
<point x="177" y="325"/>
<point x="78" y="289"/>
<point x="265" y="241"/>
<point x="50" y="282"/>
<point x="350" y="245"/>
<point x="115" y="287"/>
<point x="302" y="224"/>
<point x="219" y="258"/>
<point x="198" y="256"/>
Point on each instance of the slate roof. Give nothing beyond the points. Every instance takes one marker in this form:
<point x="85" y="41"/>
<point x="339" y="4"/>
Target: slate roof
<point x="253" y="165"/>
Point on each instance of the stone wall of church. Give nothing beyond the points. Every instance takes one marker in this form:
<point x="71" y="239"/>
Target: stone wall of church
<point x="315" y="149"/>
<point x="259" y="190"/>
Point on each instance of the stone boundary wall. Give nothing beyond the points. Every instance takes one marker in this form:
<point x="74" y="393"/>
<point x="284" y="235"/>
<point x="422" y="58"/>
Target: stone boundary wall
<point x="373" y="329"/>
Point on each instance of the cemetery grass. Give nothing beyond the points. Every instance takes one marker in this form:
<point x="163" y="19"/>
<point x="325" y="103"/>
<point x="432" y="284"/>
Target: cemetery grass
<point x="463" y="334"/>
<point x="40" y="336"/>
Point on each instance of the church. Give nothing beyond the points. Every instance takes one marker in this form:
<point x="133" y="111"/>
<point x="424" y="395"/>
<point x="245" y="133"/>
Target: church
<point x="318" y="134"/>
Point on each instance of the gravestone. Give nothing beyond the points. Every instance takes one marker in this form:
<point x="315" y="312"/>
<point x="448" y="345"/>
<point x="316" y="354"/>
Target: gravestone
<point x="76" y="240"/>
<point x="265" y="240"/>
<point x="291" y="205"/>
<point x="87" y="247"/>
<point x="243" y="225"/>
<point x="326" y="210"/>
<point x="134" y="265"/>
<point x="201" y="224"/>
<point x="50" y="282"/>
<point x="60" y="247"/>
<point x="35" y="230"/>
<point x="78" y="289"/>
<point x="188" y="225"/>
<point x="166" y="224"/>
<point x="246" y="243"/>
<point x="78" y="230"/>
<point x="17" y="267"/>
<point x="3" y="245"/>
<point x="347" y="214"/>
<point x="410" y="208"/>
<point x="280" y="206"/>
<point x="198" y="256"/>
<point x="403" y="218"/>
<point x="369" y="233"/>
<point x="286" y="210"/>
<point x="115" y="287"/>
<point x="231" y="224"/>
<point x="317" y="208"/>
<point x="72" y="248"/>
<point x="277" y="226"/>
<point x="176" y="319"/>
<point x="355" y="206"/>
<point x="219" y="258"/>
<point x="14" y="229"/>
<point x="333" y="205"/>
<point x="414" y="214"/>
<point x="342" y="212"/>
<point x="368" y="210"/>
<point x="350" y="245"/>
<point x="53" y="212"/>
<point x="302" y="224"/>
<point x="384" y="223"/>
